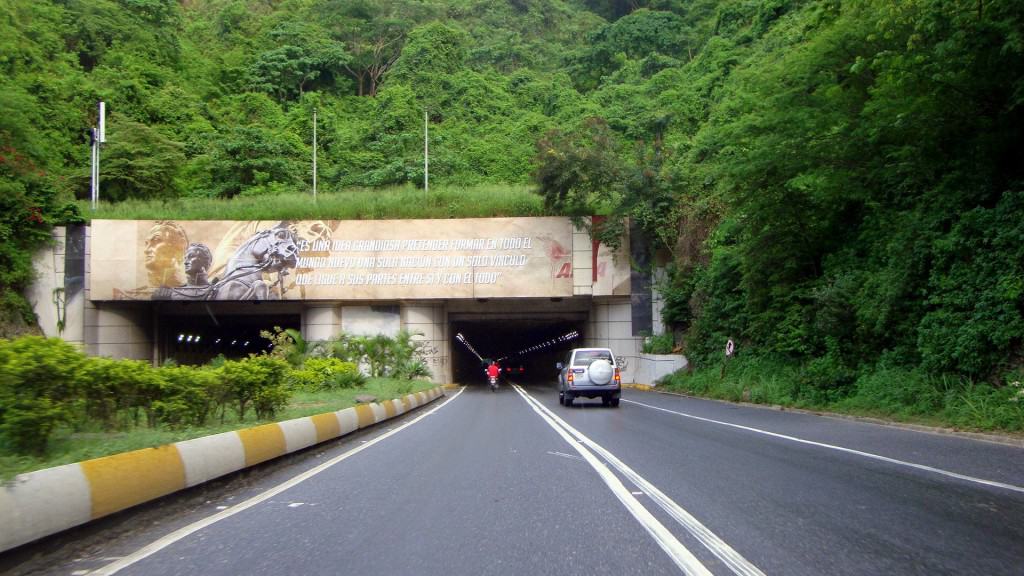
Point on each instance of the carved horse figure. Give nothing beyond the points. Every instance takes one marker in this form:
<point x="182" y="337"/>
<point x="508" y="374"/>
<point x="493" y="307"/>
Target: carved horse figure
<point x="266" y="252"/>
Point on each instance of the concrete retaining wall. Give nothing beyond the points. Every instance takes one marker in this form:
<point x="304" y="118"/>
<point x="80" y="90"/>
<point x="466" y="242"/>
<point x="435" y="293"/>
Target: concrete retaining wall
<point x="37" y="504"/>
<point x="651" y="367"/>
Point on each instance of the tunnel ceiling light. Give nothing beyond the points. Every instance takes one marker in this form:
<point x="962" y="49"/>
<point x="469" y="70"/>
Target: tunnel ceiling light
<point x="469" y="346"/>
<point x="181" y="337"/>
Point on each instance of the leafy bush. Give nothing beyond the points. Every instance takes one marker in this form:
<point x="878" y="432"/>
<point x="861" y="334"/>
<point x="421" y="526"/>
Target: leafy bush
<point x="38" y="383"/>
<point x="763" y="380"/>
<point x="303" y="380"/>
<point x="398" y="357"/>
<point x="981" y="406"/>
<point x="287" y="344"/>
<point x="826" y="379"/>
<point x="660" y="344"/>
<point x="348" y="377"/>
<point x="412" y="369"/>
<point x="190" y="395"/>
<point x="897" y="391"/>
<point x="326" y="374"/>
<point x="112" y="387"/>
<point x="258" y="381"/>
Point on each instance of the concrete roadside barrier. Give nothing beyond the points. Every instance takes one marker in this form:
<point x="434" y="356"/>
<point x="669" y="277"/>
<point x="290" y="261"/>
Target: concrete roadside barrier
<point x="44" y="502"/>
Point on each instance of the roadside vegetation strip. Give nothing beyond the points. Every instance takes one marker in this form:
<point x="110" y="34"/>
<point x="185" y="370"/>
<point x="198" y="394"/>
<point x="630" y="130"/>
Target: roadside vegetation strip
<point x="878" y="457"/>
<point x="397" y="202"/>
<point x="40" y="503"/>
<point x="160" y="544"/>
<point x="680" y="555"/>
<point x="85" y="440"/>
<point x="736" y="562"/>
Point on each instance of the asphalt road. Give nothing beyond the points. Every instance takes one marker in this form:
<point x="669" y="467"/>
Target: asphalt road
<point x="512" y="483"/>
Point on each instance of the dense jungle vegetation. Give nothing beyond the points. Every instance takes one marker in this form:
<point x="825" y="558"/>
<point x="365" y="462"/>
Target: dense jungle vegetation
<point x="836" y="185"/>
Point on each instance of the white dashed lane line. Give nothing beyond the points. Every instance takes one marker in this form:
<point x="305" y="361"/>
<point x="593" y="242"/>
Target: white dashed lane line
<point x="922" y="467"/>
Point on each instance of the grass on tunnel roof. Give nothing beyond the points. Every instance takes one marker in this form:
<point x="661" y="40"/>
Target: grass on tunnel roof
<point x="407" y="202"/>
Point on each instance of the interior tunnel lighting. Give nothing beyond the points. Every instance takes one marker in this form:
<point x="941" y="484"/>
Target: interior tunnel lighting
<point x="567" y="337"/>
<point x="468" y="346"/>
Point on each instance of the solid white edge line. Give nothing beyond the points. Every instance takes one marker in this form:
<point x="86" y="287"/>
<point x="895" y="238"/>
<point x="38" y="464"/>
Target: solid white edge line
<point x="948" y="473"/>
<point x="181" y="533"/>
<point x="727" y="554"/>
<point x="683" y="558"/>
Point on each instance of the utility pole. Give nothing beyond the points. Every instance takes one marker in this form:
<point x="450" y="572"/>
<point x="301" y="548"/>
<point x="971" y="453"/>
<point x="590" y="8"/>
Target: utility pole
<point x="426" y="153"/>
<point x="314" y="154"/>
<point x="97" y="136"/>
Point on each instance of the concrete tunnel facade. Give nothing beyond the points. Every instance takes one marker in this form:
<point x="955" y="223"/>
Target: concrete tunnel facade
<point x="513" y="288"/>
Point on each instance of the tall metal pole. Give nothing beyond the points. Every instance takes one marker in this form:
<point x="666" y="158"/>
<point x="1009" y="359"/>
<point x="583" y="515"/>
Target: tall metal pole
<point x="98" y="136"/>
<point x="94" y="148"/>
<point x="426" y="153"/>
<point x="314" y="154"/>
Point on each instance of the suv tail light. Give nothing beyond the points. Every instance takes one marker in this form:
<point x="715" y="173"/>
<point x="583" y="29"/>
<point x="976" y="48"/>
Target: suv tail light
<point x="569" y="378"/>
<point x="618" y="379"/>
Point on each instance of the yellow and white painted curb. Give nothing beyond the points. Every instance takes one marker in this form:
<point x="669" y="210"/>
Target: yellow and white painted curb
<point x="37" y="504"/>
<point x="644" y="387"/>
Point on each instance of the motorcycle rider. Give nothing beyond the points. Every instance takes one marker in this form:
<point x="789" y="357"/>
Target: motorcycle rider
<point x="493" y="371"/>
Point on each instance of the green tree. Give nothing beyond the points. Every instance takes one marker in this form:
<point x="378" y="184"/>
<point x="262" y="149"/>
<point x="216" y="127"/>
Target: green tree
<point x="373" y="33"/>
<point x="249" y="159"/>
<point x="138" y="162"/>
<point x="577" y="170"/>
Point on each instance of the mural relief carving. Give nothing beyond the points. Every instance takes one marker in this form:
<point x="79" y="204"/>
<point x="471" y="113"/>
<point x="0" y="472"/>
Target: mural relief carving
<point x="332" y="260"/>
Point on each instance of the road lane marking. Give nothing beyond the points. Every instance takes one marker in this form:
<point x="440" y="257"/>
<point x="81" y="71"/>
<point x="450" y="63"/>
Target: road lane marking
<point x="183" y="532"/>
<point x="948" y="473"/>
<point x="564" y="455"/>
<point x="729" y="556"/>
<point x="683" y="558"/>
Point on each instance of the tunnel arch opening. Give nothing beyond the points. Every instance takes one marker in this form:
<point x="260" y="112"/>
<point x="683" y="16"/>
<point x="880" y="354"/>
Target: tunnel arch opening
<point x="526" y="345"/>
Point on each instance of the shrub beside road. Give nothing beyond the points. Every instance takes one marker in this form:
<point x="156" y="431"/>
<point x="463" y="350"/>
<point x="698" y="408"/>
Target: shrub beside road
<point x="58" y="405"/>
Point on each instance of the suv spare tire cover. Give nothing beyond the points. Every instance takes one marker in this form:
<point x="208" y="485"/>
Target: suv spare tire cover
<point x="600" y="372"/>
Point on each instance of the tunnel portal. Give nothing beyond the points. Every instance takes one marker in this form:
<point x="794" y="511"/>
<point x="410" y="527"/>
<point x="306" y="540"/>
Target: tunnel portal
<point x="526" y="346"/>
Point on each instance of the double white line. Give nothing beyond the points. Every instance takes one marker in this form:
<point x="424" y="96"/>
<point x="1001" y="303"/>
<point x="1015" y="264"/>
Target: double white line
<point x="679" y="554"/>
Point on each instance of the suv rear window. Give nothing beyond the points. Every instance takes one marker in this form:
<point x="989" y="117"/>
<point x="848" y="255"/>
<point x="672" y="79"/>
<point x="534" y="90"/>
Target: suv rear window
<point x="585" y="357"/>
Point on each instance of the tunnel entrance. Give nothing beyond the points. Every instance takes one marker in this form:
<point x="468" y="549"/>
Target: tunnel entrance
<point x="525" y="345"/>
<point x="198" y="339"/>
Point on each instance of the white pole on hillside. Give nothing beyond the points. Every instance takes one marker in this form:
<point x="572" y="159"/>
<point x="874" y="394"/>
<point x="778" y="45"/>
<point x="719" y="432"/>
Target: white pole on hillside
<point x="98" y="136"/>
<point x="93" y="145"/>
<point x="426" y="153"/>
<point x="314" y="154"/>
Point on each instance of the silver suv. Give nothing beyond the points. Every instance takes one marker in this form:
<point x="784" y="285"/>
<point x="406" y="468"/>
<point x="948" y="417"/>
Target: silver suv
<point x="589" y="372"/>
